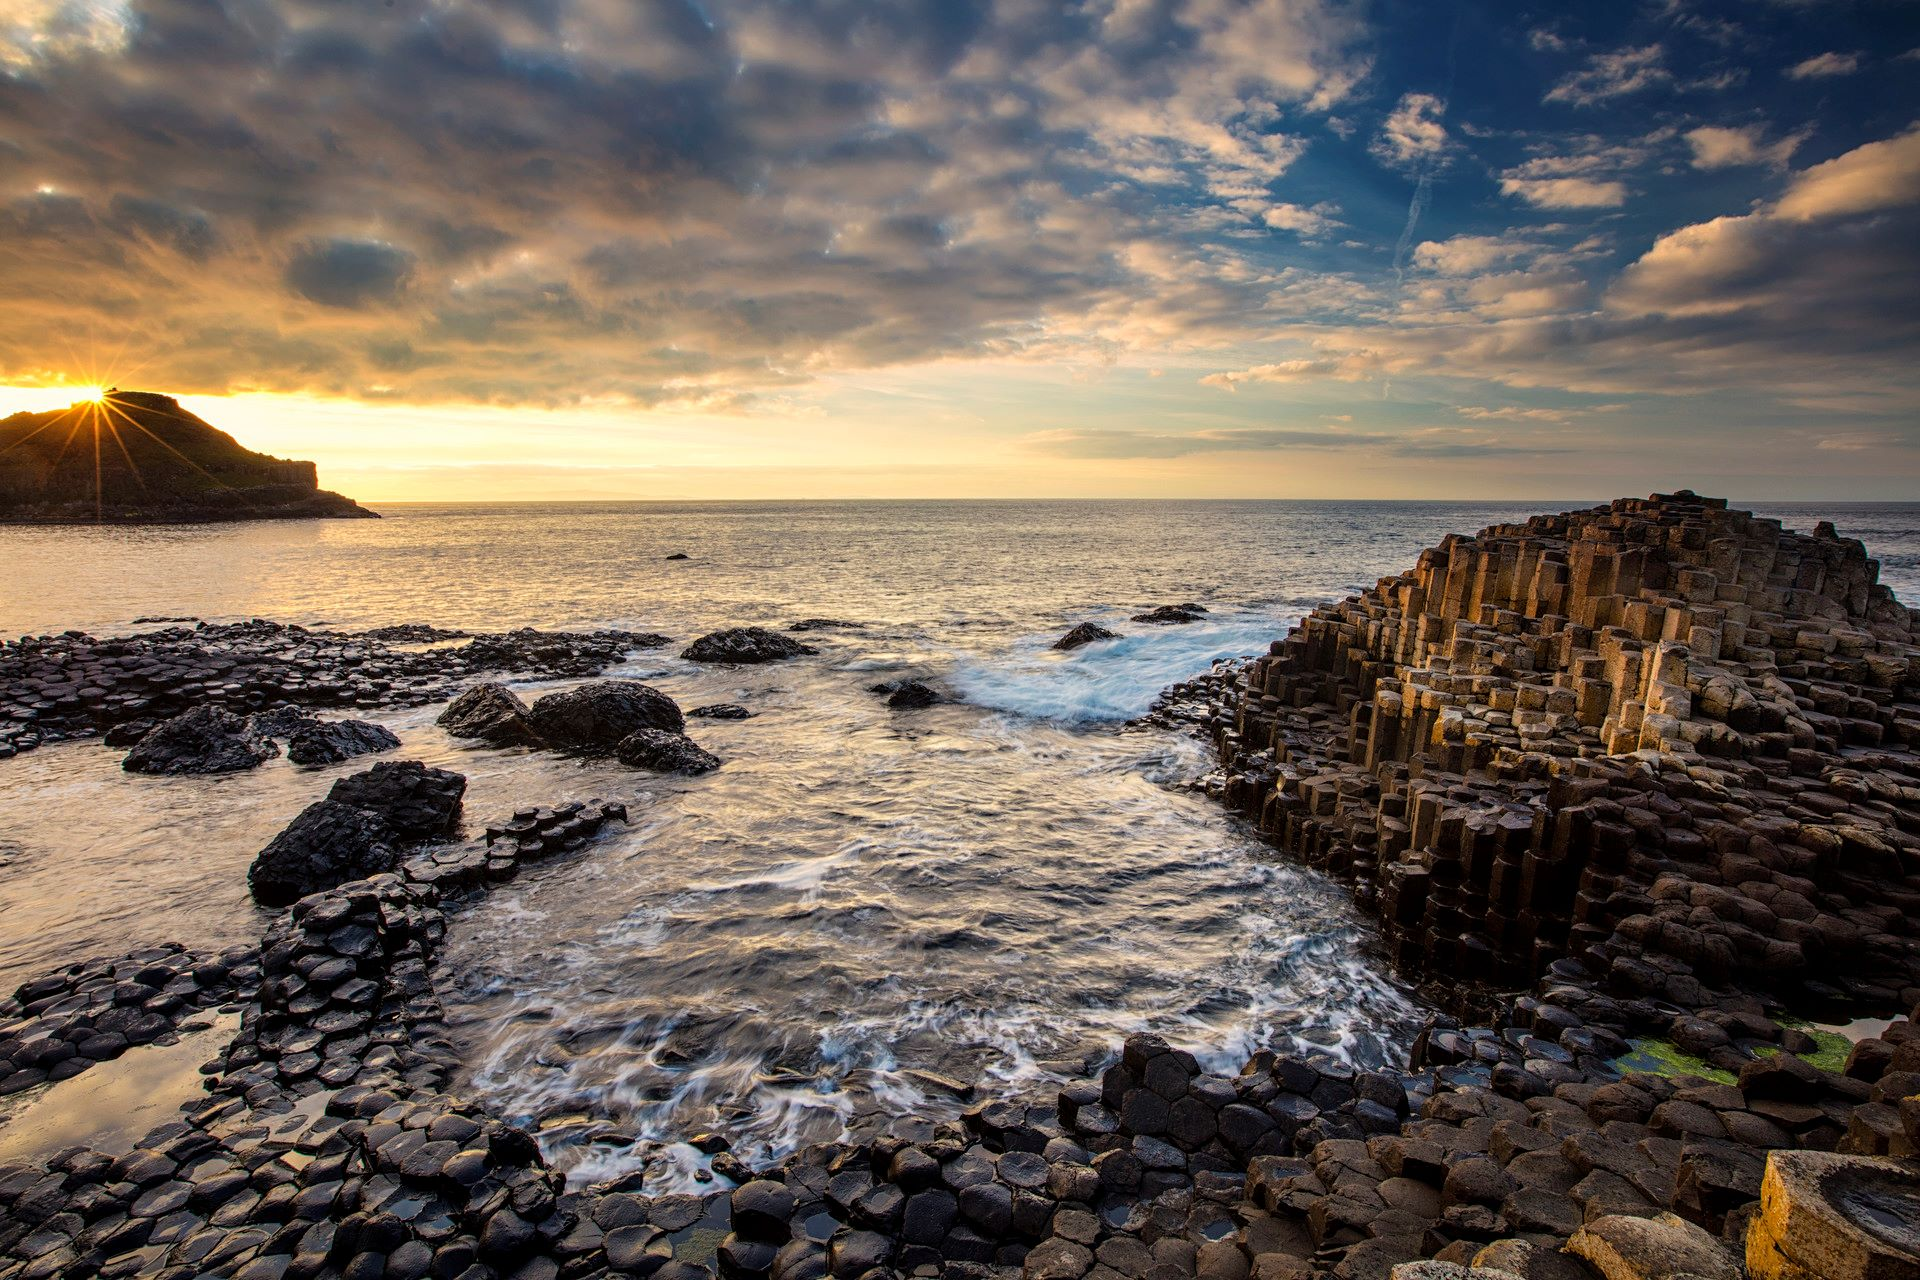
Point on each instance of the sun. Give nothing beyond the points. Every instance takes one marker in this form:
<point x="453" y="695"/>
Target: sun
<point x="93" y="395"/>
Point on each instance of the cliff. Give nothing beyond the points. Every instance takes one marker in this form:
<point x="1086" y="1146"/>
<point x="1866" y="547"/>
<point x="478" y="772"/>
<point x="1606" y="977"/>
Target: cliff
<point x="135" y="457"/>
<point x="1669" y="742"/>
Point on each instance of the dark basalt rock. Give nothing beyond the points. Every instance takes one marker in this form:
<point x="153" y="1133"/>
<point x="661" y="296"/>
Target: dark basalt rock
<point x="492" y="713"/>
<point x="679" y="555"/>
<point x="907" y="694"/>
<point x="330" y="843"/>
<point x="1085" y="633"/>
<point x="414" y="633"/>
<point x="745" y="645"/>
<point x="416" y="802"/>
<point x="331" y="741"/>
<point x="722" y="711"/>
<point x="280" y="722"/>
<point x="557" y="653"/>
<point x="1171" y="614"/>
<point x="206" y="739"/>
<point x="595" y="717"/>
<point x="826" y="624"/>
<point x="665" y="752"/>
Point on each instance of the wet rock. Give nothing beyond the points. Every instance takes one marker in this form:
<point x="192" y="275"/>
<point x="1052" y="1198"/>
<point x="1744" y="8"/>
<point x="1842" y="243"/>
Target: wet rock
<point x="416" y="802"/>
<point x="678" y="555"/>
<point x="825" y="624"/>
<point x="745" y="645"/>
<point x="328" y="844"/>
<point x="907" y="694"/>
<point x="594" y="717"/>
<point x="1085" y="633"/>
<point x="491" y="713"/>
<point x="205" y="740"/>
<point x="665" y="753"/>
<point x="1171" y="614"/>
<point x="722" y="711"/>
<point x="331" y="741"/>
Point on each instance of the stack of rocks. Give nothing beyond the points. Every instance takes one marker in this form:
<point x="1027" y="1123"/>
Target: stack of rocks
<point x="1667" y="738"/>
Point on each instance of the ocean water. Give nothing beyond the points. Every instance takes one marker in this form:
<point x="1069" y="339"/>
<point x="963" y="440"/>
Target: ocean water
<point x="862" y="902"/>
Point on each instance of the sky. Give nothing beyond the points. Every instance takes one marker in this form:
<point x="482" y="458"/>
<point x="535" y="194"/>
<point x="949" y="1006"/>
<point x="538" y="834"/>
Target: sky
<point x="540" y="249"/>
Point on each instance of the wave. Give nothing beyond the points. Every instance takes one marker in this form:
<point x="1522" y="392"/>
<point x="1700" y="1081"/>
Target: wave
<point x="1108" y="680"/>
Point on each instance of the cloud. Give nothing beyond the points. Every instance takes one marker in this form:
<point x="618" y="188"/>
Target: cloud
<point x="1412" y="131"/>
<point x="1317" y="221"/>
<point x="1722" y="147"/>
<point x="1566" y="193"/>
<point x="1879" y="175"/>
<point x="1823" y="65"/>
<point x="1349" y="367"/>
<point x="1466" y="255"/>
<point x="1612" y="75"/>
<point x="1113" y="444"/>
<point x="1509" y="413"/>
<point x="648" y="201"/>
<point x="349" y="273"/>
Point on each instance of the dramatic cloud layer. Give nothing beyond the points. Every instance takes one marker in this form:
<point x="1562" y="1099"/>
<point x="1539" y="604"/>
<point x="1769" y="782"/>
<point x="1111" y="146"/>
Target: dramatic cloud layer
<point x="738" y="206"/>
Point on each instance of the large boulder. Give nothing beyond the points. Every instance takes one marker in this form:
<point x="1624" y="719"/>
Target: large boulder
<point x="1085" y="633"/>
<point x="745" y="645"/>
<point x="492" y="713"/>
<point x="595" y="716"/>
<point x="331" y="741"/>
<point x="415" y="802"/>
<point x="329" y="844"/>
<point x="206" y="739"/>
<point x="665" y="752"/>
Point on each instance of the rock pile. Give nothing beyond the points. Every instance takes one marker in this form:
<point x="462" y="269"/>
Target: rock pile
<point x="74" y="686"/>
<point x="746" y="645"/>
<point x="633" y="722"/>
<point x="362" y="827"/>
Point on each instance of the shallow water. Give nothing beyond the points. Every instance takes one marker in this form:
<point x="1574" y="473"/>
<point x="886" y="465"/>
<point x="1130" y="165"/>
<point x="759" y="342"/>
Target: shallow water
<point x="992" y="891"/>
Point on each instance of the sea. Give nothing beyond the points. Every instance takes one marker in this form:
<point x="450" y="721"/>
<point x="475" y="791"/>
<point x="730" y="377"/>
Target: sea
<point x="865" y="912"/>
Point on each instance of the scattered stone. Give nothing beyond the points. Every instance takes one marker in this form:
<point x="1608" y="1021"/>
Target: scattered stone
<point x="722" y="711"/>
<point x="905" y="694"/>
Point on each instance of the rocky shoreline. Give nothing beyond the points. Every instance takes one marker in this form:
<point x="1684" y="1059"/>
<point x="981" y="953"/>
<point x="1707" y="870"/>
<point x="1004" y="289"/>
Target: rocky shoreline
<point x="1627" y="788"/>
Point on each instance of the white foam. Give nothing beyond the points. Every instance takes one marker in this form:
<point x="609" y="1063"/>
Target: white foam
<point x="1109" y="679"/>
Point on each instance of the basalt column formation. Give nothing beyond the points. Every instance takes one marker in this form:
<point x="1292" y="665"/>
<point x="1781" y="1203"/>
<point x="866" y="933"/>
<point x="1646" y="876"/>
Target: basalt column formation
<point x="1669" y="741"/>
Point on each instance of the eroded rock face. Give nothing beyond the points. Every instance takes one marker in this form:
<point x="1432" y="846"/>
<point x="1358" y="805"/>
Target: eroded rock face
<point x="1085" y="633"/>
<point x="595" y="717"/>
<point x="665" y="752"/>
<point x="745" y="645"/>
<point x="491" y="713"/>
<point x="331" y="741"/>
<point x="415" y="801"/>
<point x="329" y="843"/>
<point x="204" y="740"/>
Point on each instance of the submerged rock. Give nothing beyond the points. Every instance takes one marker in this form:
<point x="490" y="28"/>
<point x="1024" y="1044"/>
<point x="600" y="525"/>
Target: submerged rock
<point x="417" y="802"/>
<point x="679" y="555"/>
<point x="1085" y="633"/>
<point x="595" y="717"/>
<point x="329" y="843"/>
<point x="745" y="645"/>
<point x="492" y="713"/>
<point x="826" y="624"/>
<point x="331" y="741"/>
<point x="722" y="711"/>
<point x="206" y="739"/>
<point x="665" y="752"/>
<point x="907" y="693"/>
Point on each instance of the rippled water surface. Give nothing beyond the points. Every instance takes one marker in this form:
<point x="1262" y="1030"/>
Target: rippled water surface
<point x="861" y="901"/>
